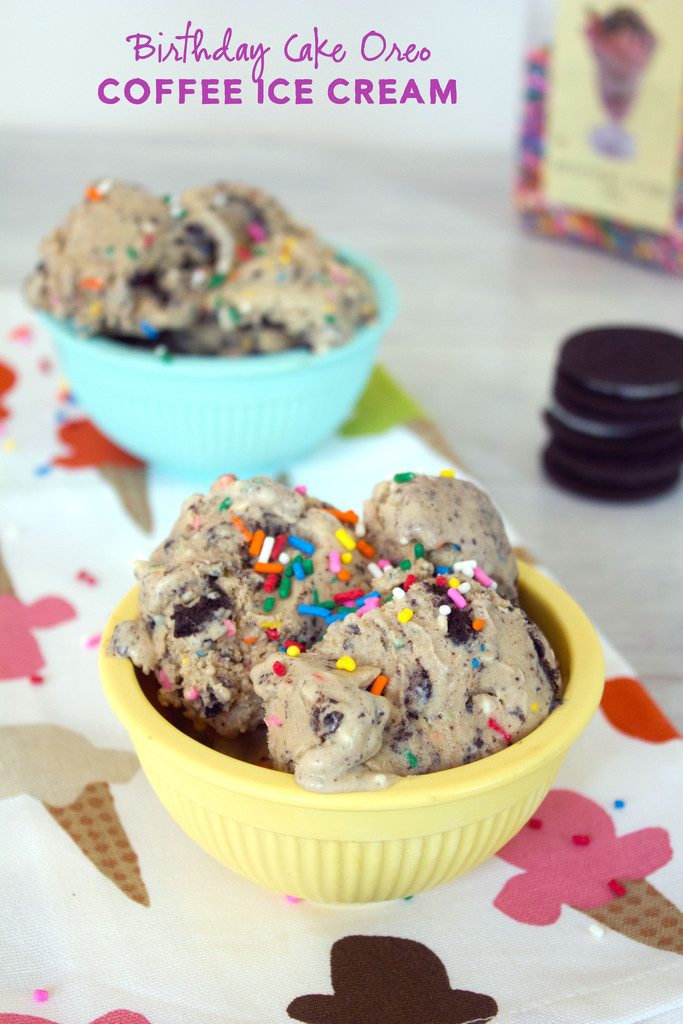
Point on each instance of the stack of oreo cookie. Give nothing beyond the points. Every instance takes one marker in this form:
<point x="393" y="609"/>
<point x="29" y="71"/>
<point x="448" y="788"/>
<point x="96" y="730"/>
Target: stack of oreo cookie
<point x="615" y="418"/>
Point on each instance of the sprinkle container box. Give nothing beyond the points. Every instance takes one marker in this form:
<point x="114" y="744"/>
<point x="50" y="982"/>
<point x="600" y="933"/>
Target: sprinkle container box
<point x="601" y="146"/>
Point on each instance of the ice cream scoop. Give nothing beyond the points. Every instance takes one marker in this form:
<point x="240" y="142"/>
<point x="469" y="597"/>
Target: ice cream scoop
<point x="228" y="585"/>
<point x="417" y="685"/>
<point x="445" y="518"/>
<point x="218" y="270"/>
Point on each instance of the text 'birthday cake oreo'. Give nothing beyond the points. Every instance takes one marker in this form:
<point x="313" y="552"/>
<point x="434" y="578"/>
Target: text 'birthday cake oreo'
<point x="615" y="417"/>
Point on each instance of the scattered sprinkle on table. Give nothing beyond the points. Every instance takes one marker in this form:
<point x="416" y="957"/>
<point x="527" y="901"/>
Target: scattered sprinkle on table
<point x="40" y="995"/>
<point x="90" y="642"/>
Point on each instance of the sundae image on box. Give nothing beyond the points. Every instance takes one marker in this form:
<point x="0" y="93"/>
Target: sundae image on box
<point x="622" y="45"/>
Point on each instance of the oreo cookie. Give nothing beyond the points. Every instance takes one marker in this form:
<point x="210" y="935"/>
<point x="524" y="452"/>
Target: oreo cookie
<point x="570" y="476"/>
<point x="615" y="420"/>
<point x="632" y="363"/>
<point x="612" y="408"/>
<point x="598" y="439"/>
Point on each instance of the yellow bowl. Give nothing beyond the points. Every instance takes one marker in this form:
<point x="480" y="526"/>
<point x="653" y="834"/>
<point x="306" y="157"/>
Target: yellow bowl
<point x="362" y="847"/>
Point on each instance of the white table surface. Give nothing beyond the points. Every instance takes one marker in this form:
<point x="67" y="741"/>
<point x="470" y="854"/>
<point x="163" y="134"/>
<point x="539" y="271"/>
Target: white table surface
<point x="483" y="309"/>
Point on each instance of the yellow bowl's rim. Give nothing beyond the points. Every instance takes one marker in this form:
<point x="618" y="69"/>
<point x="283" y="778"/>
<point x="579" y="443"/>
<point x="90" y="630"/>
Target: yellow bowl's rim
<point x="583" y="677"/>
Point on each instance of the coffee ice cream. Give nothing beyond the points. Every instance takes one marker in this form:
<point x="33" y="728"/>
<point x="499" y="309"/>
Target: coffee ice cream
<point x="220" y="270"/>
<point x="370" y="650"/>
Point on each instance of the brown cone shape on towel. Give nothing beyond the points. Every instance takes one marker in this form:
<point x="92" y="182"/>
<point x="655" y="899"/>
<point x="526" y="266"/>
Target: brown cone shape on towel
<point x="92" y="821"/>
<point x="643" y="914"/>
<point x="379" y="979"/>
<point x="130" y="484"/>
<point x="6" y="585"/>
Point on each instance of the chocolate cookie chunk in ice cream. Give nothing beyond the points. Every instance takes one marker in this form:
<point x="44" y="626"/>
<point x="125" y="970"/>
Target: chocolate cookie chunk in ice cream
<point x="220" y="270"/>
<point x="449" y="520"/>
<point x="418" y="685"/>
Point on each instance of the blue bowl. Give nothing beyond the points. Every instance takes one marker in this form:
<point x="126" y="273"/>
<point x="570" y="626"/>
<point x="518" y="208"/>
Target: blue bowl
<point x="207" y="415"/>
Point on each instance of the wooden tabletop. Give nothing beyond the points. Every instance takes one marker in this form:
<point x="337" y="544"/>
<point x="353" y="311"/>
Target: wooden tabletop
<point x="483" y="309"/>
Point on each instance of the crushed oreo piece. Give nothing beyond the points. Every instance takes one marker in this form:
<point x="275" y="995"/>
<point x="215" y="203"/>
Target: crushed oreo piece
<point x="460" y="626"/>
<point x="200" y="240"/>
<point x="332" y="720"/>
<point x="323" y="721"/>
<point x="419" y="689"/>
<point x="189" y="619"/>
<point x="551" y="672"/>
<point x="149" y="280"/>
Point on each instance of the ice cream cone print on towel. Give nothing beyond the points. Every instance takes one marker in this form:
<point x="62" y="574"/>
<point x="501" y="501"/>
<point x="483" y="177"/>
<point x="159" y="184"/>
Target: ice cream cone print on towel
<point x="20" y="653"/>
<point x="571" y="855"/>
<point x="7" y="381"/>
<point x="72" y="779"/>
<point x="127" y="475"/>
